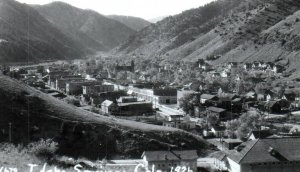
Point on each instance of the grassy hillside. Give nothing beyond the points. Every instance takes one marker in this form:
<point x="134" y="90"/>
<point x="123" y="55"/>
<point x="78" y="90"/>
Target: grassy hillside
<point x="35" y="115"/>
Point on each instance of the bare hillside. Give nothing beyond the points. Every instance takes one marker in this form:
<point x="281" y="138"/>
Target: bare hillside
<point x="256" y="30"/>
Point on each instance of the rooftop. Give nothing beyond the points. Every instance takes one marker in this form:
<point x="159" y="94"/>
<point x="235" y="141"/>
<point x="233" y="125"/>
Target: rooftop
<point x="134" y="103"/>
<point x="262" y="150"/>
<point x="207" y="96"/>
<point x="262" y="134"/>
<point x="170" y="155"/>
<point x="216" y="109"/>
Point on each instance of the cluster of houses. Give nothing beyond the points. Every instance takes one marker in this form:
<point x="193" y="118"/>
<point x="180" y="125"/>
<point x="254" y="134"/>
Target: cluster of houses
<point x="144" y="98"/>
<point x="227" y="106"/>
<point x="227" y="69"/>
<point x="259" y="155"/>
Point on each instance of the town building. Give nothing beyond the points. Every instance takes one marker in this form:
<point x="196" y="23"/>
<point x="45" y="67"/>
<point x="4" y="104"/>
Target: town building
<point x="169" y="160"/>
<point x="219" y="112"/>
<point x="60" y="83"/>
<point x="266" y="155"/>
<point x="205" y="98"/>
<point x="125" y="68"/>
<point x="56" y="74"/>
<point x="107" y="107"/>
<point x="219" y="159"/>
<point x="165" y="95"/>
<point x="259" y="134"/>
<point x="94" y="89"/>
<point x="183" y="123"/>
<point x="75" y="88"/>
<point x="230" y="144"/>
<point x="98" y="98"/>
<point x="130" y="106"/>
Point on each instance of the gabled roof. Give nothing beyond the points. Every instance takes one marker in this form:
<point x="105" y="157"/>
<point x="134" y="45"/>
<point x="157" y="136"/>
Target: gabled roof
<point x="228" y="96"/>
<point x="271" y="103"/>
<point x="250" y="94"/>
<point x="107" y="103"/>
<point x="262" y="151"/>
<point x="232" y="141"/>
<point x="290" y="96"/>
<point x="170" y="155"/>
<point x="216" y="109"/>
<point x="218" y="128"/>
<point x="261" y="134"/>
<point x="218" y="155"/>
<point x="208" y="96"/>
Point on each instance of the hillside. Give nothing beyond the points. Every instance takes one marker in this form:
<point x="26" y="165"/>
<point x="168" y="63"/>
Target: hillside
<point x="78" y="132"/>
<point x="87" y="26"/>
<point x="246" y="30"/>
<point x="174" y="31"/>
<point x="134" y="23"/>
<point x="27" y="36"/>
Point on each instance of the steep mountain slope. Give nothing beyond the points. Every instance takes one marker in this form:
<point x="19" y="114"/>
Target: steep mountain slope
<point x="175" y="31"/>
<point x="86" y="25"/>
<point x="134" y="23"/>
<point x="246" y="36"/>
<point x="27" y="36"/>
<point x="34" y="115"/>
<point x="248" y="30"/>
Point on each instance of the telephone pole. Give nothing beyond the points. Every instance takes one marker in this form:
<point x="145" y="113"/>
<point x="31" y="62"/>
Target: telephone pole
<point x="9" y="134"/>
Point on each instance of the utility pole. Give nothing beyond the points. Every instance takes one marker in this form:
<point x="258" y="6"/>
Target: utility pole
<point x="10" y="136"/>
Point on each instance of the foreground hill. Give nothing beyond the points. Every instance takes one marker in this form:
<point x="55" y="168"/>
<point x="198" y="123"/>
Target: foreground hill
<point x="87" y="26"/>
<point x="246" y="30"/>
<point x="134" y="23"/>
<point x="34" y="115"/>
<point x="26" y="36"/>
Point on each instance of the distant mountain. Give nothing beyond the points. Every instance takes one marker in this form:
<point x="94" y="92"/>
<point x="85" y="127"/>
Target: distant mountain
<point x="157" y="19"/>
<point x="234" y="30"/>
<point x="88" y="26"/>
<point x="134" y="23"/>
<point x="26" y="36"/>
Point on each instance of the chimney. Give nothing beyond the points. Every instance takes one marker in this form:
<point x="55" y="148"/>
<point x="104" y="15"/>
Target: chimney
<point x="276" y="154"/>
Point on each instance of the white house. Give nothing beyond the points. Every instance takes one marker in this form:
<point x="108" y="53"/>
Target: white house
<point x="170" y="160"/>
<point x="106" y="106"/>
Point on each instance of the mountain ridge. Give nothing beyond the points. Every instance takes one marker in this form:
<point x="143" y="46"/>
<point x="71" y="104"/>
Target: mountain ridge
<point x="134" y="23"/>
<point x="93" y="26"/>
<point x="27" y="36"/>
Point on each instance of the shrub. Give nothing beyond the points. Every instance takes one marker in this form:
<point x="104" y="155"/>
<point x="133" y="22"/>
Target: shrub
<point x="44" y="148"/>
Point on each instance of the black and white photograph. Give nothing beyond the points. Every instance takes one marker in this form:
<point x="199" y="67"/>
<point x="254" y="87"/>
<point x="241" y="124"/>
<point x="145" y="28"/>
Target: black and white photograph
<point x="149" y="85"/>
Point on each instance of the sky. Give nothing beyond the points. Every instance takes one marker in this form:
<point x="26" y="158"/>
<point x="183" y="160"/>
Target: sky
<point x="147" y="9"/>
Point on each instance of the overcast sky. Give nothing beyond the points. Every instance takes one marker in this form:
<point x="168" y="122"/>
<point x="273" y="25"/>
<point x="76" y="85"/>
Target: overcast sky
<point x="146" y="9"/>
